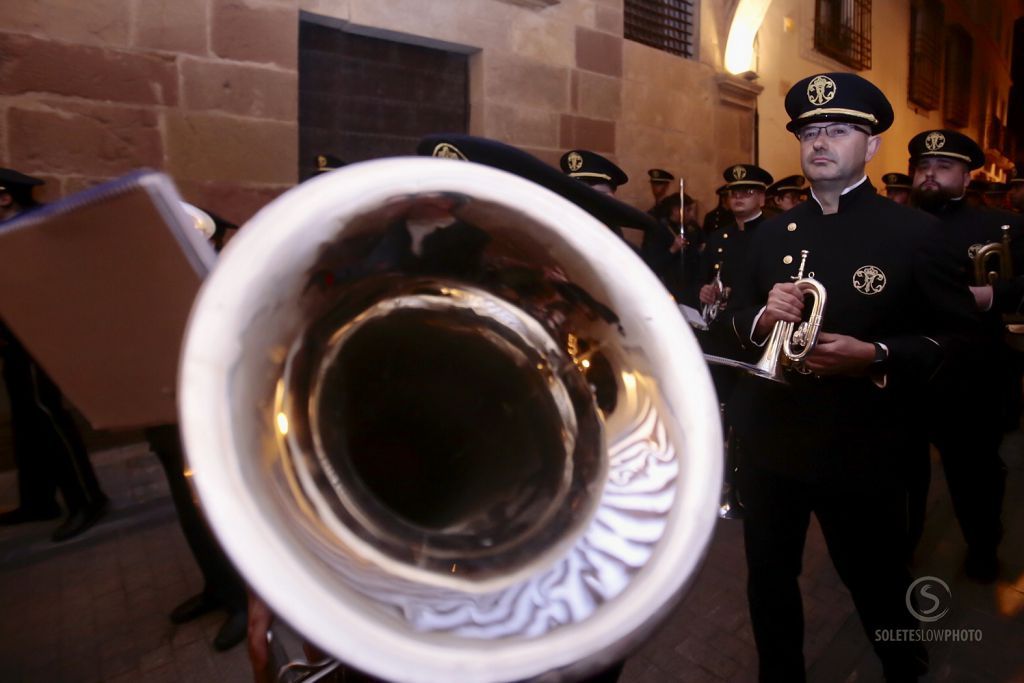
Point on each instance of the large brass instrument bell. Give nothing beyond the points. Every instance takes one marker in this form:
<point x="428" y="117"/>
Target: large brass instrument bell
<point x="448" y="426"/>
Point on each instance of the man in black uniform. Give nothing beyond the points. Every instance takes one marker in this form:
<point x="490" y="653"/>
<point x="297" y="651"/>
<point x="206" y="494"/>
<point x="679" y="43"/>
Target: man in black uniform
<point x="48" y="449"/>
<point x="718" y="216"/>
<point x="829" y="442"/>
<point x="725" y="252"/>
<point x="784" y="194"/>
<point x="722" y="263"/>
<point x="594" y="170"/>
<point x="660" y="181"/>
<point x="673" y="251"/>
<point x="966" y="413"/>
<point x="897" y="187"/>
<point x="995" y="196"/>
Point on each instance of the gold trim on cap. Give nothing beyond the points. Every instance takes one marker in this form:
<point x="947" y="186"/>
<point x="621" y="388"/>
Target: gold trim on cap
<point x="737" y="183"/>
<point x="588" y="174"/>
<point x="945" y="153"/>
<point x="836" y="110"/>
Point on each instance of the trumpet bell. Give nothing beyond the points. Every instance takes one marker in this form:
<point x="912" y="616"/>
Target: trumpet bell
<point x="448" y="426"/>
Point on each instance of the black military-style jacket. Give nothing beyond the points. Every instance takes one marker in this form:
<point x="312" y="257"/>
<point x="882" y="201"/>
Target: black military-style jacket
<point x="715" y="219"/>
<point x="727" y="249"/>
<point x="965" y="229"/>
<point x="888" y="280"/>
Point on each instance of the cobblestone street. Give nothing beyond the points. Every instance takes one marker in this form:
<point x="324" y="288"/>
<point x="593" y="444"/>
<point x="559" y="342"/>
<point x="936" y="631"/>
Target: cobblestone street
<point x="95" y="608"/>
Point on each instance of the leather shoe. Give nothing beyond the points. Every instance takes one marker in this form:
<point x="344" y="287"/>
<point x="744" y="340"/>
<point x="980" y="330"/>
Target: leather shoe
<point x="193" y="608"/>
<point x="232" y="631"/>
<point x="21" y="515"/>
<point x="81" y="520"/>
<point x="981" y="565"/>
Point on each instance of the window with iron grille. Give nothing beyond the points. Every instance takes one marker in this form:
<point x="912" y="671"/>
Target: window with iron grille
<point x="668" y="25"/>
<point x="926" y="19"/>
<point x="959" y="53"/>
<point x="842" y="30"/>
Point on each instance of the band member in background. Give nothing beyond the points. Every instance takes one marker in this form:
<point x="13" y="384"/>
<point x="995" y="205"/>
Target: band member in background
<point x="722" y="264"/>
<point x="661" y="181"/>
<point x="718" y="216"/>
<point x="897" y="187"/>
<point x="829" y="442"/>
<point x="784" y="194"/>
<point x="594" y="170"/>
<point x="673" y="252"/>
<point x="48" y="448"/>
<point x="725" y="252"/>
<point x="967" y="412"/>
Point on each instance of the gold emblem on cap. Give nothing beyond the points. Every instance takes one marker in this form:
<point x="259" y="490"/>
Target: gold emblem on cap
<point x="446" y="150"/>
<point x="575" y="161"/>
<point x="739" y="173"/>
<point x="321" y="162"/>
<point x="820" y="90"/>
<point x="787" y="259"/>
<point x="869" y="280"/>
<point x="791" y="227"/>
<point x="934" y="140"/>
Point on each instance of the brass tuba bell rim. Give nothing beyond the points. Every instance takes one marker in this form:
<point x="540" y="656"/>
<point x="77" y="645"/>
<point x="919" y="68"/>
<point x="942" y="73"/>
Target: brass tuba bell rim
<point x="298" y="585"/>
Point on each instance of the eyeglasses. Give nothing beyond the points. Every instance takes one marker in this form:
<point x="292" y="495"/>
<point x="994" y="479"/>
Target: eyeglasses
<point x="743" y="191"/>
<point x="832" y="130"/>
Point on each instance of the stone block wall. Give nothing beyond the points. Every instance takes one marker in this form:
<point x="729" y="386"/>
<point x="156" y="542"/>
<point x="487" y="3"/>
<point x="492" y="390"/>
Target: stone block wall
<point x="205" y="90"/>
<point x="550" y="76"/>
<point x="208" y="89"/>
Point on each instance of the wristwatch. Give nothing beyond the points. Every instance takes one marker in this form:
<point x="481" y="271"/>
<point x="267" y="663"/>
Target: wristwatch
<point x="881" y="356"/>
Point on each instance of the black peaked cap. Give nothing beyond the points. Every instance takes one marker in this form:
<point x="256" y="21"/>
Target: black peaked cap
<point x="591" y="167"/>
<point x="898" y="181"/>
<point x="601" y="206"/>
<point x="946" y="143"/>
<point x="835" y="97"/>
<point x="747" y="175"/>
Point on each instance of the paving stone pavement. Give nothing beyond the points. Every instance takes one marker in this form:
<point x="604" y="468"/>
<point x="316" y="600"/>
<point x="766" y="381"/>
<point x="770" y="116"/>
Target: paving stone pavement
<point x="95" y="608"/>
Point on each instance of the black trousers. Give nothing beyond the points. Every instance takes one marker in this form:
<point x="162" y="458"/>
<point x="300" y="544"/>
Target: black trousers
<point x="966" y="428"/>
<point x="864" y="524"/>
<point x="48" y="448"/>
<point x="221" y="582"/>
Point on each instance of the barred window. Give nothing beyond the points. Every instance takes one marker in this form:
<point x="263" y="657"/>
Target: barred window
<point x="959" y="53"/>
<point x="842" y="31"/>
<point x="926" y="20"/>
<point x="668" y="25"/>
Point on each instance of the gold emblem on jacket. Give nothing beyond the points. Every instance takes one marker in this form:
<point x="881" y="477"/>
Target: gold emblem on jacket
<point x="869" y="280"/>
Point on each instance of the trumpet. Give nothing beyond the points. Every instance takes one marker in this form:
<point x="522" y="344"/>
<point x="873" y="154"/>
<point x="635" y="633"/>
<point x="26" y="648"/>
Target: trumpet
<point x="997" y="252"/>
<point x="789" y="343"/>
<point x="710" y="311"/>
